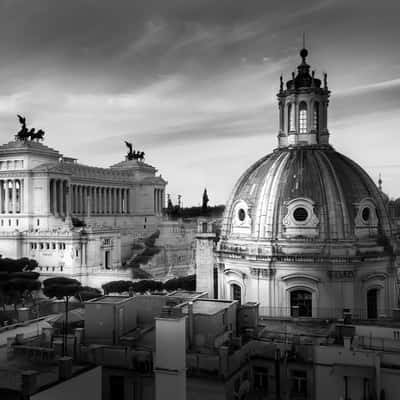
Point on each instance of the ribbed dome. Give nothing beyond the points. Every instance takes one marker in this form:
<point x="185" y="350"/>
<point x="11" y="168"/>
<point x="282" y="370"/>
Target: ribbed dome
<point x="310" y="191"/>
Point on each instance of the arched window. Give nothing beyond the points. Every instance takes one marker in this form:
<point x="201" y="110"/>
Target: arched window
<point x="303" y="117"/>
<point x="301" y="303"/>
<point x="291" y="117"/>
<point x="316" y="117"/>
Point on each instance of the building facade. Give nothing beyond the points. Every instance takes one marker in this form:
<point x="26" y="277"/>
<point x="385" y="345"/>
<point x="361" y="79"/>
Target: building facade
<point x="72" y="218"/>
<point x="306" y="231"/>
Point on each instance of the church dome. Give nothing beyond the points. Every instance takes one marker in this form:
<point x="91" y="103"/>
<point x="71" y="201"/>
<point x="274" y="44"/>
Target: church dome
<point x="305" y="191"/>
<point x="309" y="192"/>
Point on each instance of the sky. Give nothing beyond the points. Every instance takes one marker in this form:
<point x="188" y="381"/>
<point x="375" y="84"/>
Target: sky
<point x="193" y="83"/>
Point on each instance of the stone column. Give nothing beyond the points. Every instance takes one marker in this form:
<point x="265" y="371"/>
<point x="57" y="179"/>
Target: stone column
<point x="73" y="202"/>
<point x="108" y="191"/>
<point x="62" y="198"/>
<point x="96" y="200"/>
<point x="128" y="201"/>
<point x="54" y="196"/>
<point x="113" y="200"/>
<point x="1" y="196"/>
<point x="14" y="196"/>
<point x="67" y="199"/>
<point x="6" y="196"/>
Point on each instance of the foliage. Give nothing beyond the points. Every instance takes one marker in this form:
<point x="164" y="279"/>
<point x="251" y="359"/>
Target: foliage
<point x="184" y="283"/>
<point x="86" y="293"/>
<point x="17" y="281"/>
<point x="205" y="200"/>
<point x="150" y="285"/>
<point x="77" y="222"/>
<point x="116" y="286"/>
<point x="60" y="287"/>
<point x="195" y="212"/>
<point x="18" y="265"/>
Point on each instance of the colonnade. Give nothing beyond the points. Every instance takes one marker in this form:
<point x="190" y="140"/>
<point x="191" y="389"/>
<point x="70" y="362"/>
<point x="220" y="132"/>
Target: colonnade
<point x="99" y="200"/>
<point x="158" y="200"/>
<point x="11" y="191"/>
<point x="59" y="198"/>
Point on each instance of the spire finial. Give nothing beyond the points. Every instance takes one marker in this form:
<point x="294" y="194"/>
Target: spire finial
<point x="380" y="182"/>
<point x="304" y="51"/>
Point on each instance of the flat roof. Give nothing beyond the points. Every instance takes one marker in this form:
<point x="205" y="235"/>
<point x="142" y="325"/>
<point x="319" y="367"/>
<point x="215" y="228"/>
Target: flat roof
<point x="208" y="306"/>
<point x="186" y="294"/>
<point x="110" y="299"/>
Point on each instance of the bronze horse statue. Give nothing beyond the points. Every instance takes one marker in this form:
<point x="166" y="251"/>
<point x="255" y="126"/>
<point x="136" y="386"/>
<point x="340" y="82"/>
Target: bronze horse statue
<point x="24" y="134"/>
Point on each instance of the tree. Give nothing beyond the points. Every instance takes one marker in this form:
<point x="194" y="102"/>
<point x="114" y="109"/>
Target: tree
<point x="184" y="283"/>
<point x="17" y="281"/>
<point x="86" y="293"/>
<point x="205" y="200"/>
<point x="61" y="288"/>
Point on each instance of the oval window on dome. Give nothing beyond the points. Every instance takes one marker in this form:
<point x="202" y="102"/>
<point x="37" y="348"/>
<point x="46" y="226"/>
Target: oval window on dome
<point x="365" y="214"/>
<point x="300" y="214"/>
<point x="241" y="214"/>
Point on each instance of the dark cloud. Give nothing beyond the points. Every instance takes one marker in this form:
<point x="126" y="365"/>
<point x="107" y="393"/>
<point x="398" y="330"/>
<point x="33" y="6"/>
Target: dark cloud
<point x="190" y="73"/>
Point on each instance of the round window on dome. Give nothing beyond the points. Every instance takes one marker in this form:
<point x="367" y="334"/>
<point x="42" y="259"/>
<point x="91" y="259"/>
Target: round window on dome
<point x="300" y="214"/>
<point x="241" y="214"/>
<point x="366" y="214"/>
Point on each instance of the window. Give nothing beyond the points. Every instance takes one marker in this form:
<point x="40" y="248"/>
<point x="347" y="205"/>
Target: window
<point x="38" y="222"/>
<point x="204" y="227"/>
<point x="63" y="246"/>
<point x="303" y="117"/>
<point x="16" y="222"/>
<point x="365" y="214"/>
<point x="2" y="222"/>
<point x="301" y="303"/>
<point x="300" y="214"/>
<point x="261" y="378"/>
<point x="9" y="222"/>
<point x="41" y="246"/>
<point x="316" y="117"/>
<point x="60" y="246"/>
<point x="241" y="214"/>
<point x="299" y="383"/>
<point x="53" y="245"/>
<point x="291" y="117"/>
